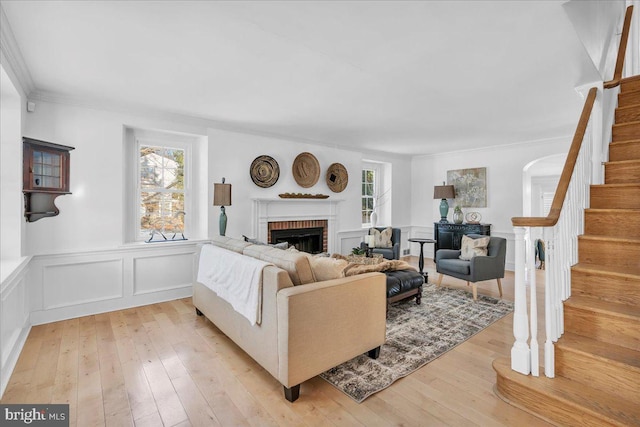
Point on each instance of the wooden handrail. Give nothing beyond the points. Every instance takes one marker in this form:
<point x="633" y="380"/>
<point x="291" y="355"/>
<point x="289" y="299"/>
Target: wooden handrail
<point x="622" y="49"/>
<point x="563" y="185"/>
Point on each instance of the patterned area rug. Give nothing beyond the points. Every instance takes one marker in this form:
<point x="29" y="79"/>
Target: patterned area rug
<point x="416" y="335"/>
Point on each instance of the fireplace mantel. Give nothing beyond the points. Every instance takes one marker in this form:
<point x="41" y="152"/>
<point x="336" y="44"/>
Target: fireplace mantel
<point x="268" y="210"/>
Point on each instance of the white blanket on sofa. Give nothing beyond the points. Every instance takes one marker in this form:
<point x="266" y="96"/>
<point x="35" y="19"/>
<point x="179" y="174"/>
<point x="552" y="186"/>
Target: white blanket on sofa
<point x="235" y="278"/>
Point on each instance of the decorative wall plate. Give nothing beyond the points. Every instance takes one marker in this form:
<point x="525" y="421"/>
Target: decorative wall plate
<point x="306" y="170"/>
<point x="337" y="177"/>
<point x="473" y="217"/>
<point x="264" y="171"/>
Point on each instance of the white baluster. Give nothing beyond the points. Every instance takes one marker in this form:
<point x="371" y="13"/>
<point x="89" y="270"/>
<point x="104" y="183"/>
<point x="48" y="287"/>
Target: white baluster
<point x="520" y="354"/>
<point x="533" y="306"/>
<point x="549" y="313"/>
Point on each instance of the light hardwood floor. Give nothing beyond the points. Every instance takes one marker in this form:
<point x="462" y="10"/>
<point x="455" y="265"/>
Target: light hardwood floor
<point x="162" y="365"/>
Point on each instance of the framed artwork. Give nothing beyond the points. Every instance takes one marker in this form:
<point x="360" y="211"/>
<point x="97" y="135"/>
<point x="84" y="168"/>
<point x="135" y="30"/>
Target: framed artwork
<point x="471" y="187"/>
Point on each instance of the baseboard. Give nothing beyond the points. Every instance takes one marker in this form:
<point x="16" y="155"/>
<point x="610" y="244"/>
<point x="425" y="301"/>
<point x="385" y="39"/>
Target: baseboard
<point x="12" y="359"/>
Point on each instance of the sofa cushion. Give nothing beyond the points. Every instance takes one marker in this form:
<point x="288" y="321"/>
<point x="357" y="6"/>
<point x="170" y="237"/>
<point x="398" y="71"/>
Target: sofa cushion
<point x="296" y="264"/>
<point x="382" y="238"/>
<point x="229" y="243"/>
<point x="327" y="268"/>
<point x="455" y="265"/>
<point x="473" y="247"/>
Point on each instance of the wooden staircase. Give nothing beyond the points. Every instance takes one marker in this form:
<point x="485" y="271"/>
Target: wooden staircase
<point x="598" y="358"/>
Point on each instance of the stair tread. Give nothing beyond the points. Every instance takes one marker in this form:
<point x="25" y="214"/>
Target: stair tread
<point x="630" y="79"/>
<point x="602" y="306"/>
<point x="629" y="141"/>
<point x="633" y="272"/>
<point x="613" y="210"/>
<point x="609" y="238"/>
<point x="623" y="162"/>
<point x="636" y="123"/>
<point x="628" y="107"/>
<point x="571" y="393"/>
<point x="615" y="185"/>
<point x="614" y="353"/>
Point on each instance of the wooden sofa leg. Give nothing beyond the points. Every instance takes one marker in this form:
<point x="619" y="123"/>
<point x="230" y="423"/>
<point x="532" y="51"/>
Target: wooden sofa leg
<point x="475" y="292"/>
<point x="198" y="312"/>
<point x="291" y="394"/>
<point x="374" y="353"/>
<point x="500" y="286"/>
<point x="439" y="282"/>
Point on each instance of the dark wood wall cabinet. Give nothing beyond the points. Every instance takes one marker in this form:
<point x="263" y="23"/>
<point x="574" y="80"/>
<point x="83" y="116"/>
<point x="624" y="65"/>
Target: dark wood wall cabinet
<point x="45" y="176"/>
<point x="449" y="235"/>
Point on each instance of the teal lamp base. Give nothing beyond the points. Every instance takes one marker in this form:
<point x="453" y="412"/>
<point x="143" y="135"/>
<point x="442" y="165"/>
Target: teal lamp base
<point x="223" y="221"/>
<point x="444" y="210"/>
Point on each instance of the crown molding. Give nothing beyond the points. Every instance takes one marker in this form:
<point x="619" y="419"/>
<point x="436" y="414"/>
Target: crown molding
<point x="12" y="54"/>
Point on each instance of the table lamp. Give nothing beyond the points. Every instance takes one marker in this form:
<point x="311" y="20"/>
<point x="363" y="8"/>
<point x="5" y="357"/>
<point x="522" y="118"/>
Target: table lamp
<point x="222" y="198"/>
<point x="444" y="192"/>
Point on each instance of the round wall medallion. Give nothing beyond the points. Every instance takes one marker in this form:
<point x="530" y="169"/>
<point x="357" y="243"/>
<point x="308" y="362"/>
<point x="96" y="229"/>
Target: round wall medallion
<point x="264" y="171"/>
<point x="306" y="170"/>
<point x="337" y="177"/>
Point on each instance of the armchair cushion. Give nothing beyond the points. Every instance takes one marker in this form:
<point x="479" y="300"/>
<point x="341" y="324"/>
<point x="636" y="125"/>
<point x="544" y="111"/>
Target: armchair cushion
<point x="455" y="265"/>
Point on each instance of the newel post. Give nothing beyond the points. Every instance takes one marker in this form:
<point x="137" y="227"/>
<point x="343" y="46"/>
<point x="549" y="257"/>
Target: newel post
<point x="520" y="353"/>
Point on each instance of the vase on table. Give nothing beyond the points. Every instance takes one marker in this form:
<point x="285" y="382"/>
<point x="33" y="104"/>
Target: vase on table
<point x="374" y="218"/>
<point x="458" y="216"/>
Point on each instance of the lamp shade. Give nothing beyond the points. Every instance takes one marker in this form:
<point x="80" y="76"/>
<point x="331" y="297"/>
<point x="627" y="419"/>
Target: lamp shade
<point x="222" y="194"/>
<point x="444" y="192"/>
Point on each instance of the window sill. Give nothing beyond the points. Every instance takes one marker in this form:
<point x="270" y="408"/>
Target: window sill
<point x="168" y="243"/>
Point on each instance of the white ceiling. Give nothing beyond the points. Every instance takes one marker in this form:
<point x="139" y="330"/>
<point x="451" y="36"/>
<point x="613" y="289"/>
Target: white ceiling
<point x="402" y="77"/>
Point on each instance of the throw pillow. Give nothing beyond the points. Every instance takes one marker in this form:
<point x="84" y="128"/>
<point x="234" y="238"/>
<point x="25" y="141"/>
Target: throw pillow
<point x="473" y="247"/>
<point x="325" y="268"/>
<point x="382" y="238"/>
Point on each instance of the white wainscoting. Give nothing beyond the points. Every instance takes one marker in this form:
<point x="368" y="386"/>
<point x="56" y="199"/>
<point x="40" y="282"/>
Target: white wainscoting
<point x="14" y="317"/>
<point x="64" y="286"/>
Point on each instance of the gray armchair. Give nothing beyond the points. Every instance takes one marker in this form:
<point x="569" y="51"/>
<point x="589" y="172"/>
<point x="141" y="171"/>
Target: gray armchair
<point x="392" y="252"/>
<point x="478" y="268"/>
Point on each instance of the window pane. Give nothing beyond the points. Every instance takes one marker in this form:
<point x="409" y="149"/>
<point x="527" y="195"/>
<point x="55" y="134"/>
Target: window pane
<point x="151" y="163"/>
<point x="369" y="176"/>
<point x="369" y="204"/>
<point x="162" y="212"/>
<point x="368" y="190"/>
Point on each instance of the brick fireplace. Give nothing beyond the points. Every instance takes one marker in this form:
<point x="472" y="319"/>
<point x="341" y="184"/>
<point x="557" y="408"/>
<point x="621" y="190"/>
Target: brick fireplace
<point x="280" y="214"/>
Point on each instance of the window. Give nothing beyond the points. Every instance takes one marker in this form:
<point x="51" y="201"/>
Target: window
<point x="368" y="194"/>
<point x="162" y="190"/>
<point x="165" y="186"/>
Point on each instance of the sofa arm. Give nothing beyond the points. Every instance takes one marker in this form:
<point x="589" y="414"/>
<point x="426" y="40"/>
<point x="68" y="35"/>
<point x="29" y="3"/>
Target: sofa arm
<point x="323" y="324"/>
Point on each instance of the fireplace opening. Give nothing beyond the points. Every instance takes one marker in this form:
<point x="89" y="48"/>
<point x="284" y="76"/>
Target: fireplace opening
<point x="304" y="239"/>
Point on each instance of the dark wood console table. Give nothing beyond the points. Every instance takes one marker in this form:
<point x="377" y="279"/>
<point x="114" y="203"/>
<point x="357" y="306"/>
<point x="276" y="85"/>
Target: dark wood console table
<point x="449" y="235"/>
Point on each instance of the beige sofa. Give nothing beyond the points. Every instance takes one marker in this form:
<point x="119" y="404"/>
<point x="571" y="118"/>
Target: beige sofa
<point x="307" y="327"/>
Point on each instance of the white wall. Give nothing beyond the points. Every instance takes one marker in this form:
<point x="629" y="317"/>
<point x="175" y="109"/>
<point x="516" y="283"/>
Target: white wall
<point x="11" y="212"/>
<point x="598" y="24"/>
<point x="231" y="154"/>
<point x="504" y="184"/>
<point x="14" y="303"/>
